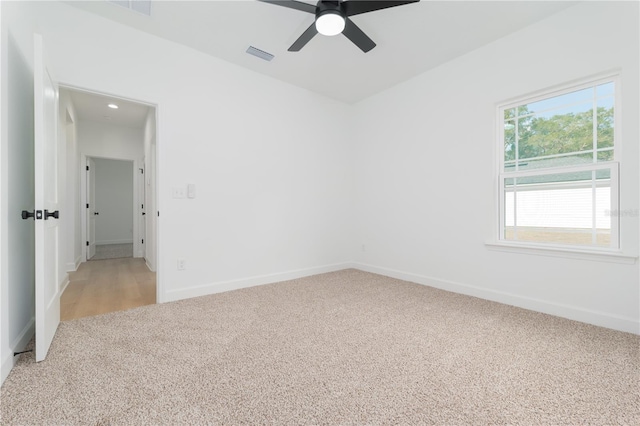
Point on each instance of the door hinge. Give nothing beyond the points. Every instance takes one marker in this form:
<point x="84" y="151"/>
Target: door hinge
<point x="87" y="205"/>
<point x="87" y="243"/>
<point x="142" y="206"/>
<point x="143" y="241"/>
<point x="87" y="168"/>
<point x="141" y="171"/>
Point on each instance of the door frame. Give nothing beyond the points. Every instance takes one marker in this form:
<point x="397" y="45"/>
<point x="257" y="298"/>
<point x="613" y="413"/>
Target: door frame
<point x="160" y="293"/>
<point x="137" y="202"/>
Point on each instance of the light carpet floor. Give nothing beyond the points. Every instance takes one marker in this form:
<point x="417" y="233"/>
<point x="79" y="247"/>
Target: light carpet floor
<point x="113" y="251"/>
<point x="341" y="348"/>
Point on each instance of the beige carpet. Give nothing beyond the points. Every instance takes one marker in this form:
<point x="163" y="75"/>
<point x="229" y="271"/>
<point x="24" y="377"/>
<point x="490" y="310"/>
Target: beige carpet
<point x="113" y="251"/>
<point x="341" y="348"/>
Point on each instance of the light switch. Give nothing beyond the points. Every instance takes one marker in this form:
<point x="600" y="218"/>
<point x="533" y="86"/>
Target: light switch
<point x="191" y="190"/>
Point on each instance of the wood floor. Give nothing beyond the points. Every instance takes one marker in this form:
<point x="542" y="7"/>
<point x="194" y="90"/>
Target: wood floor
<point x="102" y="286"/>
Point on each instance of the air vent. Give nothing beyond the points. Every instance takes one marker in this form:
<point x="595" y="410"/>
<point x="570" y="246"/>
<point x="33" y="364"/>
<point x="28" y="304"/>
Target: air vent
<point x="260" y="53"/>
<point x="140" y="6"/>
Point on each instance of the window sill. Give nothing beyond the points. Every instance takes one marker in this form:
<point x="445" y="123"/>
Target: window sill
<point x="571" y="253"/>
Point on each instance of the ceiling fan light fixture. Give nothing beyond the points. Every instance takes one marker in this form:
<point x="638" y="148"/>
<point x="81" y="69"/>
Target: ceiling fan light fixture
<point x="330" y="23"/>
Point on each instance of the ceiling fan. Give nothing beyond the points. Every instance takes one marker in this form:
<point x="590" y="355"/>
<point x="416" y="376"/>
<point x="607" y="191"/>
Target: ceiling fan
<point x="332" y="18"/>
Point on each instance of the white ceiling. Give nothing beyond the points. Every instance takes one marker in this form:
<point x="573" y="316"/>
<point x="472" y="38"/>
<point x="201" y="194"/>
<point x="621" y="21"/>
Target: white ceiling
<point x="93" y="107"/>
<point x="410" y="39"/>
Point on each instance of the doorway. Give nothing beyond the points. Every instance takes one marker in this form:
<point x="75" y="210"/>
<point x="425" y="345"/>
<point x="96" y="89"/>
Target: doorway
<point x="114" y="188"/>
<point x="112" y="209"/>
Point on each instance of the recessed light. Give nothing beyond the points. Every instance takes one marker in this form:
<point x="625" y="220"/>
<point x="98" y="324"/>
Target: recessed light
<point x="113" y="106"/>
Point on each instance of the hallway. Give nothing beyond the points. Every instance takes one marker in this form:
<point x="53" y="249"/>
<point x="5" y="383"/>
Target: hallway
<point x="103" y="286"/>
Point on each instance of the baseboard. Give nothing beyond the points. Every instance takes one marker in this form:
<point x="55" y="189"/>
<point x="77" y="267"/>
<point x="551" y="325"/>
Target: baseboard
<point x="149" y="265"/>
<point x="219" y="287"/>
<point x="64" y="284"/>
<point x="73" y="266"/>
<point x="108" y="242"/>
<point x="602" y="319"/>
<point x="19" y="344"/>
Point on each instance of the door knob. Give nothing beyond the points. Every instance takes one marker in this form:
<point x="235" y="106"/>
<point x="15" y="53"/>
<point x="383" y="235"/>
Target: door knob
<point x="27" y="215"/>
<point x="96" y="213"/>
<point x="55" y="214"/>
<point x="143" y="213"/>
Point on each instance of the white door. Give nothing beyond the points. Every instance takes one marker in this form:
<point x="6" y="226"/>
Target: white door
<point x="92" y="213"/>
<point x="47" y="232"/>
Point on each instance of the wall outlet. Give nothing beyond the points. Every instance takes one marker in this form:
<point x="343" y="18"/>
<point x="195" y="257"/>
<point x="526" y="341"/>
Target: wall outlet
<point x="182" y="264"/>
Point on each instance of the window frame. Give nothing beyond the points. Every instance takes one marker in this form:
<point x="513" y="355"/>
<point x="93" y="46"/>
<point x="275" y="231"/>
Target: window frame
<point x="615" y="249"/>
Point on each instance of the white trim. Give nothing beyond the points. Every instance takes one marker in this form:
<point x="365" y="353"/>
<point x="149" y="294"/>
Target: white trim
<point x="222" y="286"/>
<point x="602" y="319"/>
<point x="565" y="154"/>
<point x="151" y="268"/>
<point x="71" y="267"/>
<point x="63" y="285"/>
<point x="18" y="345"/>
<point x="560" y="170"/>
<point x="612" y="256"/>
<point x="136" y="208"/>
<point x="562" y="89"/>
<point x="83" y="205"/>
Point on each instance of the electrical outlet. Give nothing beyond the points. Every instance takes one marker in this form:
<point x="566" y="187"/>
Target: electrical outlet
<point x="182" y="264"/>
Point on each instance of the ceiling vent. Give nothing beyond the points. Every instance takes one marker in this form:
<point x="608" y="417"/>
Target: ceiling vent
<point x="140" y="6"/>
<point x="259" y="53"/>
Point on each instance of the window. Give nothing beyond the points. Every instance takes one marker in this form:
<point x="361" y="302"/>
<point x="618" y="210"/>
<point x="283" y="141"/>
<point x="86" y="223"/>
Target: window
<point x="558" y="175"/>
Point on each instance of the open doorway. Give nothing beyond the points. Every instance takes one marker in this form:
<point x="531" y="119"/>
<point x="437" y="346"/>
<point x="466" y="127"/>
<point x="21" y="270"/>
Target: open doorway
<point x="111" y="213"/>
<point x="111" y="186"/>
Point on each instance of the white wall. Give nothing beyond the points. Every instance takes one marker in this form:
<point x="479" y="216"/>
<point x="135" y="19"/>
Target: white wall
<point x="17" y="242"/>
<point x="425" y="178"/>
<point x="272" y="186"/>
<point x="114" y="201"/>
<point x="104" y="140"/>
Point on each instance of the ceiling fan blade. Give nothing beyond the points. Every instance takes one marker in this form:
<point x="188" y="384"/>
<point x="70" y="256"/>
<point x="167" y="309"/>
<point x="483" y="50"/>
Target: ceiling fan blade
<point x="357" y="36"/>
<point x="291" y="4"/>
<point x="304" y="38"/>
<point x="356" y="7"/>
